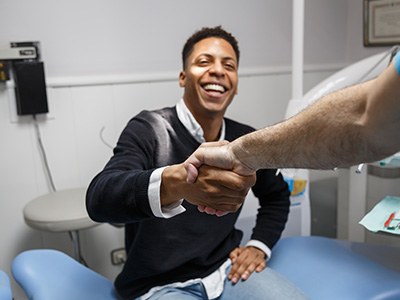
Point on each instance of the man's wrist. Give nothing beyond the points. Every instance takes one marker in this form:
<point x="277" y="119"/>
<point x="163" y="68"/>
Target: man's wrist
<point x="260" y="245"/>
<point x="241" y="154"/>
<point x="170" y="186"/>
<point x="159" y="211"/>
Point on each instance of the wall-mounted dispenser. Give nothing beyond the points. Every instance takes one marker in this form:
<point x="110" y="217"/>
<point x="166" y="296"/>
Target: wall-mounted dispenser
<point x="23" y="60"/>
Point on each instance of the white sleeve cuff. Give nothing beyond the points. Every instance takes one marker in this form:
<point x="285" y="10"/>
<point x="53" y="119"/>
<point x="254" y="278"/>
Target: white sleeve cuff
<point x="167" y="211"/>
<point x="262" y="247"/>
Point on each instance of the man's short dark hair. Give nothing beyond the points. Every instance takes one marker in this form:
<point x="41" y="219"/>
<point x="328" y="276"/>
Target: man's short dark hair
<point x="207" y="32"/>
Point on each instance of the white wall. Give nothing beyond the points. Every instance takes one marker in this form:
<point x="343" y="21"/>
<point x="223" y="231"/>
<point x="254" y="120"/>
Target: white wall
<point x="354" y="39"/>
<point x="103" y="41"/>
<point x="334" y="32"/>
<point x="107" y="37"/>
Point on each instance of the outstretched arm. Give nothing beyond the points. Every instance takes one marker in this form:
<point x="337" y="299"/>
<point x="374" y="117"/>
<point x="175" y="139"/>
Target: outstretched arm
<point x="351" y="126"/>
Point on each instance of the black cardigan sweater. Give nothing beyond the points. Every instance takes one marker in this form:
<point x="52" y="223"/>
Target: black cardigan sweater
<point x="191" y="244"/>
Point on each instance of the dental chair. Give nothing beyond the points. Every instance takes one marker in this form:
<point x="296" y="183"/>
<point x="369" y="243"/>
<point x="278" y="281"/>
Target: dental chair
<point x="53" y="275"/>
<point x="330" y="269"/>
<point x="5" y="287"/>
<point x="323" y="268"/>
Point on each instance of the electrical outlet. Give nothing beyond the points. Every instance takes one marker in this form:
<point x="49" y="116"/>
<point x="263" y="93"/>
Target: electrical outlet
<point x="118" y="256"/>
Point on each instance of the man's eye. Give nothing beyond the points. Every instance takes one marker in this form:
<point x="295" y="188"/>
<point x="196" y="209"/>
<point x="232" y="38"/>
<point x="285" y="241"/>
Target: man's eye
<point x="203" y="62"/>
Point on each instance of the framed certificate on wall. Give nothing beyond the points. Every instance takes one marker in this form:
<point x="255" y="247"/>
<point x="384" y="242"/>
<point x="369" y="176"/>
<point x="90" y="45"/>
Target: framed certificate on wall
<point x="381" y="22"/>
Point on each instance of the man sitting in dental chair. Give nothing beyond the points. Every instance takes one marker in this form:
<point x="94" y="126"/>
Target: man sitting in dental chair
<point x="174" y="250"/>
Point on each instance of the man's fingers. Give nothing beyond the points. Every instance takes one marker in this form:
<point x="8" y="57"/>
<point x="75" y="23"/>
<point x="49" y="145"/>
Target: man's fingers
<point x="209" y="210"/>
<point x="235" y="182"/>
<point x="218" y="191"/>
<point x="221" y="213"/>
<point x="217" y="212"/>
<point x="214" y="144"/>
<point x="246" y="263"/>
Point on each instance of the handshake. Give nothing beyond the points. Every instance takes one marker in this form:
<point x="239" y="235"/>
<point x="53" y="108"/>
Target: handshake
<point x="231" y="177"/>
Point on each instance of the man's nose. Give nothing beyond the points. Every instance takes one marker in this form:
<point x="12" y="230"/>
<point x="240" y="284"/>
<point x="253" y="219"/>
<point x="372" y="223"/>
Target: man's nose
<point x="217" y="69"/>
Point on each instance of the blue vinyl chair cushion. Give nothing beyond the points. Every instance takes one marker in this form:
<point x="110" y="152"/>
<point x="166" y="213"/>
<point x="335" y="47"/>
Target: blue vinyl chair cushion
<point x="50" y="274"/>
<point x="325" y="268"/>
<point x="5" y="287"/>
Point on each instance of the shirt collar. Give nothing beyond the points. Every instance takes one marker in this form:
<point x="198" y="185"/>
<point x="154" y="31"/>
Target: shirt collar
<point x="187" y="119"/>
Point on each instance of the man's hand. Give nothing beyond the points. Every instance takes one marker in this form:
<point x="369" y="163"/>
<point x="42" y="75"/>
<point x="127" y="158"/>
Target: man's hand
<point x="217" y="154"/>
<point x="246" y="260"/>
<point x="218" y="190"/>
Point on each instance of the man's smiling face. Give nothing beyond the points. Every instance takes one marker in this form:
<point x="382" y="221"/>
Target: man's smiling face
<point x="210" y="78"/>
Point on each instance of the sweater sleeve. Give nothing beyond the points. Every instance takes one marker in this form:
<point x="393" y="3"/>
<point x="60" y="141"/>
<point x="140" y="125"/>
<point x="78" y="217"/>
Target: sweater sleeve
<point x="273" y="195"/>
<point x="119" y="193"/>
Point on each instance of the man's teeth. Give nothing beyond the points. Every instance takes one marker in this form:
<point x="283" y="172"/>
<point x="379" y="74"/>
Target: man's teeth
<point x="214" y="87"/>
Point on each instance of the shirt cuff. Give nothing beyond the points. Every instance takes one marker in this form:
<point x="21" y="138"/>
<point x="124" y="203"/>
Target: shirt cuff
<point x="167" y="211"/>
<point x="262" y="247"/>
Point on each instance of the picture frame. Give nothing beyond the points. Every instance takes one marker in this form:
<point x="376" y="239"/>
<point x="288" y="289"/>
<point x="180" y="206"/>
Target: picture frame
<point x="381" y="22"/>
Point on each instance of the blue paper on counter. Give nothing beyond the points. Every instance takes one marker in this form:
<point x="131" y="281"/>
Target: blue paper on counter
<point x="374" y="220"/>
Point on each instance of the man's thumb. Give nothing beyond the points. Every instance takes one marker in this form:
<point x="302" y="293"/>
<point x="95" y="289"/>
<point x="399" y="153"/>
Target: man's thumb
<point x="192" y="173"/>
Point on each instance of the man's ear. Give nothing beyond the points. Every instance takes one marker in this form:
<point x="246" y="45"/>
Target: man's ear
<point x="182" y="79"/>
